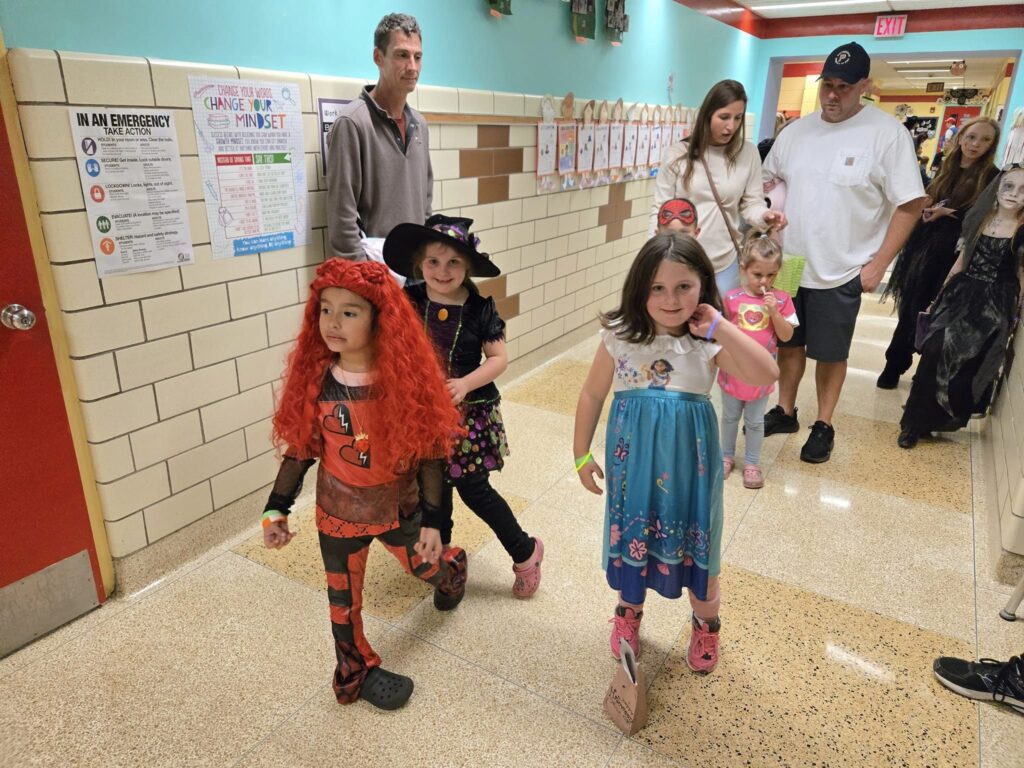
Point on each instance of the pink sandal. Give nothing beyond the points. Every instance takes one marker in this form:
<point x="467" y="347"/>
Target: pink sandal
<point x="727" y="465"/>
<point x="528" y="576"/>
<point x="752" y="477"/>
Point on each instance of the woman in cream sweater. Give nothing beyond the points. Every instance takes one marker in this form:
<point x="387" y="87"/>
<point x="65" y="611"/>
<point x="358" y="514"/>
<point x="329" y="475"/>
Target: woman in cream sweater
<point x="718" y="139"/>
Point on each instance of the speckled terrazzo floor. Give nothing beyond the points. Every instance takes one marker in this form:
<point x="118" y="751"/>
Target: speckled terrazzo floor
<point x="841" y="582"/>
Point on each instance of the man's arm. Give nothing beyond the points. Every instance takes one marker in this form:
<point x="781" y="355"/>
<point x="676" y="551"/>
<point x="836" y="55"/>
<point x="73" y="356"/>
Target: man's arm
<point x="344" y="184"/>
<point x="902" y="223"/>
<point x="430" y="171"/>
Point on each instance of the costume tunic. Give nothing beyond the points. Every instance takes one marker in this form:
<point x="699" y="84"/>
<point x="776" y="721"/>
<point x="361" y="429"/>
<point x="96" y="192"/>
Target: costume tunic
<point x="458" y="332"/>
<point x="663" y="520"/>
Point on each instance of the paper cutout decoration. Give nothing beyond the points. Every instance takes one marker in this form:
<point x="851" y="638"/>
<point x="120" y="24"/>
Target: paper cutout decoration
<point x="616" y="21"/>
<point x="584" y="19"/>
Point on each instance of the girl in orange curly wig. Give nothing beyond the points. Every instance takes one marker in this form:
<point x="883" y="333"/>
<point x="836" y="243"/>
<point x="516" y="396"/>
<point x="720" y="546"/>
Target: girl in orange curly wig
<point x="364" y="394"/>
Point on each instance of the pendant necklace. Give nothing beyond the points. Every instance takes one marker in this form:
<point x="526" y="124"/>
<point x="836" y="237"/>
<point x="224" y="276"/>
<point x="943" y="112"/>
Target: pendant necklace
<point x="362" y="439"/>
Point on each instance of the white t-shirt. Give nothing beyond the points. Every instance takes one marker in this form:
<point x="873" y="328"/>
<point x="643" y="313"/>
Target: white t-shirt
<point x="739" y="185"/>
<point x="843" y="184"/>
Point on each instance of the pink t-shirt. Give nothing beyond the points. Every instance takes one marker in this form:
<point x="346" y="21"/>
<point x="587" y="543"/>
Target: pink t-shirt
<point x="747" y="312"/>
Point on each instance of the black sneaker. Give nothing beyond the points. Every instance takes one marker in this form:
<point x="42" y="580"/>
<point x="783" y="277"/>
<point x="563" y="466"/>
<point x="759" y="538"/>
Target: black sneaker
<point x="777" y="421"/>
<point x="888" y="379"/>
<point x="985" y="680"/>
<point x="818" y="447"/>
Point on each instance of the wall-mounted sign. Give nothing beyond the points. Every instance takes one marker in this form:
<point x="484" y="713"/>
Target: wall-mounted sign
<point x="253" y="162"/>
<point x="890" y="26"/>
<point x="936" y="87"/>
<point x="131" y="178"/>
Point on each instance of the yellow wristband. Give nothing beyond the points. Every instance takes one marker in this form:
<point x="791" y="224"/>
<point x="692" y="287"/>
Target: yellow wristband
<point x="582" y="461"/>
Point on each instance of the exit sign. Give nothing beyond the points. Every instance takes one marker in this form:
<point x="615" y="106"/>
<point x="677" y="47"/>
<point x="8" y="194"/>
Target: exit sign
<point x="890" y="26"/>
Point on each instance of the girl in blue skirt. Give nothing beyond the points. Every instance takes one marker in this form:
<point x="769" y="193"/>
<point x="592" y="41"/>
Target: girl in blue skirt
<point x="662" y="348"/>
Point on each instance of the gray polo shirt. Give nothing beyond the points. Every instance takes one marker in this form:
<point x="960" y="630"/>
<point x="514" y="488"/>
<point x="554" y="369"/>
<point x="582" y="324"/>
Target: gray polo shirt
<point x="375" y="180"/>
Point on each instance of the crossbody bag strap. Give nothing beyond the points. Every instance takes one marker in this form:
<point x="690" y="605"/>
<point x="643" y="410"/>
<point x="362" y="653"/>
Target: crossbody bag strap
<point x="714" y="191"/>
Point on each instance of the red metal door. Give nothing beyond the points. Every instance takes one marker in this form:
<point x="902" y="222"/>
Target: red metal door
<point x="44" y="501"/>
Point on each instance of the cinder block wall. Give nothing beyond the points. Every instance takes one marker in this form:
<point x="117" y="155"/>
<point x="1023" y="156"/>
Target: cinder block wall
<point x="176" y="369"/>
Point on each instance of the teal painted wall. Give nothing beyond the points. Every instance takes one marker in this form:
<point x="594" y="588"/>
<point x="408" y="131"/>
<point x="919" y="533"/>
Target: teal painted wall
<point x="980" y="42"/>
<point x="532" y="51"/>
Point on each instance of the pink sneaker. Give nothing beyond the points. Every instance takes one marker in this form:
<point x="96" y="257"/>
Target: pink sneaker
<point x="626" y="625"/>
<point x="528" y="575"/>
<point x="727" y="464"/>
<point x="752" y="477"/>
<point x="703" y="653"/>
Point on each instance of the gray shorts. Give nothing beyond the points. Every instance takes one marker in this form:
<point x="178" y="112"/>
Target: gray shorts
<point x="827" y="317"/>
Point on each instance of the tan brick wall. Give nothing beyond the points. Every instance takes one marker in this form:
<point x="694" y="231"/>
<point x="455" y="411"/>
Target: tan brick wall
<point x="177" y="368"/>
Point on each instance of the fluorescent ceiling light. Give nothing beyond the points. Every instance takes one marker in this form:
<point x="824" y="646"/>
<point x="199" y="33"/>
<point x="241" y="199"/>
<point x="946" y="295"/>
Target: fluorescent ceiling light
<point x="901" y="71"/>
<point x="925" y="61"/>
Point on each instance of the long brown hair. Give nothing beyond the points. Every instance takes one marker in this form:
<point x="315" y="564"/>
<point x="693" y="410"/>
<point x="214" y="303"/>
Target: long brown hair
<point x="961" y="186"/>
<point x="630" y="320"/>
<point x="722" y="93"/>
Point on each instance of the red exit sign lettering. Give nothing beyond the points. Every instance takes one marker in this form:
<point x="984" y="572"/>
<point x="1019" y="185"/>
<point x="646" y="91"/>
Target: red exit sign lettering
<point x="890" y="26"/>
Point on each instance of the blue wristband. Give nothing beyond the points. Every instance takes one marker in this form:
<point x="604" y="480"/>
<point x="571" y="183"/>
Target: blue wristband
<point x="714" y="324"/>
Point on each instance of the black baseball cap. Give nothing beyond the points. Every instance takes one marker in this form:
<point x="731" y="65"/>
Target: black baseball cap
<point x="849" y="62"/>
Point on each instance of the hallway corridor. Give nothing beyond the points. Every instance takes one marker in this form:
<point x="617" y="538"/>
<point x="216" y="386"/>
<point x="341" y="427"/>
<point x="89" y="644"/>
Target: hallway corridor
<point x="841" y="582"/>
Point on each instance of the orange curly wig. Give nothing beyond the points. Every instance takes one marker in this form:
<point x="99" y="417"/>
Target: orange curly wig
<point x="409" y="388"/>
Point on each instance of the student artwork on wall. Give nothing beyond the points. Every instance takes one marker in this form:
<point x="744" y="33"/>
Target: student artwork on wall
<point x="253" y="163"/>
<point x="616" y="21"/>
<point x="616" y="133"/>
<point x="643" y="141"/>
<point x="679" y="128"/>
<point x="585" y="146"/>
<point x="655" y="154"/>
<point x="629" y="142"/>
<point x="547" y="147"/>
<point x="583" y="20"/>
<point x="500" y="8"/>
<point x="601" y="145"/>
<point x="567" y="143"/>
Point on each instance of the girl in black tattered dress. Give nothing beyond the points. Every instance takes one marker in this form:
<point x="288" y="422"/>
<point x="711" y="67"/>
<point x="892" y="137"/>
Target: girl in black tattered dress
<point x="973" y="317"/>
<point x="931" y="249"/>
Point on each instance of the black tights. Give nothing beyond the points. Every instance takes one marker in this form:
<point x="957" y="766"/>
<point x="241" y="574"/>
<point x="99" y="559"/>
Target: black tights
<point x="486" y="503"/>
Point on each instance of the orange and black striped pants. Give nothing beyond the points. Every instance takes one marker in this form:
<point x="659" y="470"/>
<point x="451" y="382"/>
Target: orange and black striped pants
<point x="345" y="563"/>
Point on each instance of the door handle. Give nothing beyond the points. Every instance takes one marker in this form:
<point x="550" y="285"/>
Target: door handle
<point x="17" y="317"/>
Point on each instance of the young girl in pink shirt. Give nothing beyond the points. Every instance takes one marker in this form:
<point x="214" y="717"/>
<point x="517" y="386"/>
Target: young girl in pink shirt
<point x="766" y="315"/>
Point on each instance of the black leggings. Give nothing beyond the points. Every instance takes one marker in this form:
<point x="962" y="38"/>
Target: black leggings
<point x="487" y="504"/>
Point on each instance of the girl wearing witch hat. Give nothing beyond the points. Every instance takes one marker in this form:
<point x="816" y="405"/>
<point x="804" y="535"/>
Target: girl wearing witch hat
<point x="466" y="327"/>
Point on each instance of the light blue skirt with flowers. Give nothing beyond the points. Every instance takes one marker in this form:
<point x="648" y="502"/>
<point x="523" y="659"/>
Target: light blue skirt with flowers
<point x="663" y="521"/>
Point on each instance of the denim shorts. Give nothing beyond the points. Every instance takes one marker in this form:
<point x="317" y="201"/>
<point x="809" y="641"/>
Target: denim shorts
<point x="827" y="317"/>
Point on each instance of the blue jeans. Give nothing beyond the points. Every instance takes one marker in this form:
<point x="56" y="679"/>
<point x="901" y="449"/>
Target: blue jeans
<point x="728" y="278"/>
<point x="753" y="420"/>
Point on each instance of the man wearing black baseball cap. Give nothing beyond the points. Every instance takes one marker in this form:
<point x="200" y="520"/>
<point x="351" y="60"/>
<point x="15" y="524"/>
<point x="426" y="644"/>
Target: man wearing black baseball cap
<point x="853" y="194"/>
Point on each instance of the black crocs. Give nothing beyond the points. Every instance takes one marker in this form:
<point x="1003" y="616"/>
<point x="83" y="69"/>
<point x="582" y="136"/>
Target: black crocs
<point x="385" y="690"/>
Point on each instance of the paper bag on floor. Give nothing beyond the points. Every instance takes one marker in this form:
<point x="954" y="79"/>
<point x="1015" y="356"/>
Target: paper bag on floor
<point x="626" y="700"/>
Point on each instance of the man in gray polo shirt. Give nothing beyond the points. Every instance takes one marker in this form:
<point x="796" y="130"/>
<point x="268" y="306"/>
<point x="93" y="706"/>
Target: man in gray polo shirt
<point x="379" y="172"/>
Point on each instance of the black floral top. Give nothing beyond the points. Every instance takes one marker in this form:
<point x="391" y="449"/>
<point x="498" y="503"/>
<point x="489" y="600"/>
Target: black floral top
<point x="458" y="332"/>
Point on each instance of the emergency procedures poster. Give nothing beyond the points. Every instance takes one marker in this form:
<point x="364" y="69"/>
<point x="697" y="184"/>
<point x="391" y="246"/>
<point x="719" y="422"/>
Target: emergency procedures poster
<point x="253" y="164"/>
<point x="130" y="170"/>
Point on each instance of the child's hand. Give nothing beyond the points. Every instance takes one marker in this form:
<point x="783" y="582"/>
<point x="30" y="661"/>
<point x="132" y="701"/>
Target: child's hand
<point x="276" y="535"/>
<point x="701" y="319"/>
<point x="429" y="545"/>
<point x="775" y="220"/>
<point x="771" y="304"/>
<point x="587" y="473"/>
<point x="458" y="390"/>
